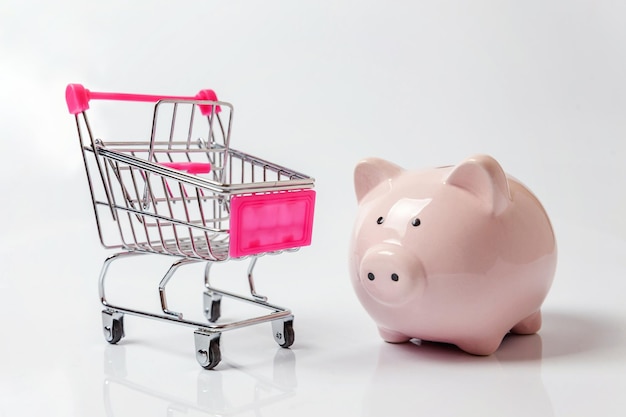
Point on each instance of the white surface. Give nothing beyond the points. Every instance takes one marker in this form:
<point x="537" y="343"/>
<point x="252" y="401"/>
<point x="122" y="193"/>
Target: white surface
<point x="317" y="86"/>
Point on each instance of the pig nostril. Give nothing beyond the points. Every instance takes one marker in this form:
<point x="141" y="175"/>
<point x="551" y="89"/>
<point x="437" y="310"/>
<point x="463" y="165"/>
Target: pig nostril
<point x="370" y="276"/>
<point x="395" y="277"/>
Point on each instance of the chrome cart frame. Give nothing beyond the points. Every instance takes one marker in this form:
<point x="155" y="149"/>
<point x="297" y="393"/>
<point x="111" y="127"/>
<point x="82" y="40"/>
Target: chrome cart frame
<point x="185" y="193"/>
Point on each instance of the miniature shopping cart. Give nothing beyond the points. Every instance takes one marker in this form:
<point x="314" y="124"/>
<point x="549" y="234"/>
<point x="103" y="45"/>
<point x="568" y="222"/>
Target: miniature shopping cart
<point x="181" y="190"/>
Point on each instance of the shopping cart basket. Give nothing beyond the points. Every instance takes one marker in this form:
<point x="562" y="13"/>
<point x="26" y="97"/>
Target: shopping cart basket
<point x="182" y="191"/>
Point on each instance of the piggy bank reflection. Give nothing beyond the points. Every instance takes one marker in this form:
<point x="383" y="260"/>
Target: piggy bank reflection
<point x="461" y="254"/>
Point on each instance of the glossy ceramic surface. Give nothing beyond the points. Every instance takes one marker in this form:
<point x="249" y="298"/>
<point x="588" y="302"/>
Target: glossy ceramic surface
<point x="460" y="254"/>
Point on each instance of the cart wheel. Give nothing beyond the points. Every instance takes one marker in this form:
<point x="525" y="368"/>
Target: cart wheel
<point x="212" y="306"/>
<point x="208" y="352"/>
<point x="112" y="326"/>
<point x="216" y="311"/>
<point x="283" y="332"/>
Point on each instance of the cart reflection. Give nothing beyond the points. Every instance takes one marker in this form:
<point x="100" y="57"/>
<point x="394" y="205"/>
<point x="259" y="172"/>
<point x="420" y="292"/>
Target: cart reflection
<point x="232" y="392"/>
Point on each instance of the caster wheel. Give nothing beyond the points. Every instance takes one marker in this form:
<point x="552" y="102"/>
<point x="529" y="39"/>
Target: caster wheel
<point x="112" y="326"/>
<point x="208" y="352"/>
<point x="283" y="332"/>
<point x="212" y="307"/>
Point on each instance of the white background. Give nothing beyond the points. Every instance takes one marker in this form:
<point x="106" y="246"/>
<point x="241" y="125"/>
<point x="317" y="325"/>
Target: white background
<point x="317" y="86"/>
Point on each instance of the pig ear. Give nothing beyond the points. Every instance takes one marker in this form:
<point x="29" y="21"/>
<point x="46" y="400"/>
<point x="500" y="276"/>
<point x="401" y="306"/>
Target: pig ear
<point x="371" y="172"/>
<point x="483" y="176"/>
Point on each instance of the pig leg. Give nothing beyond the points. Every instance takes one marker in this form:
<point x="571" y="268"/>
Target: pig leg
<point x="530" y="325"/>
<point x="391" y="336"/>
<point x="481" y="346"/>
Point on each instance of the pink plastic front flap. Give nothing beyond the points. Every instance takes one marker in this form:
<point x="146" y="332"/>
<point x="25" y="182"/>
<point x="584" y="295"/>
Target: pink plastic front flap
<point x="270" y="222"/>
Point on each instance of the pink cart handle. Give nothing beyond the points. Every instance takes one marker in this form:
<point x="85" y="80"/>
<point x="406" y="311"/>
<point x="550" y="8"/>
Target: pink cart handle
<point x="78" y="97"/>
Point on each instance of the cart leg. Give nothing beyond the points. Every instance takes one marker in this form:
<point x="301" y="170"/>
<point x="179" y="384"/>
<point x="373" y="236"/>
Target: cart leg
<point x="283" y="332"/>
<point x="207" y="276"/>
<point x="207" y="345"/>
<point x="165" y="280"/>
<point x="212" y="299"/>
<point x="212" y="306"/>
<point x="104" y="270"/>
<point x="112" y="326"/>
<point x="251" y="280"/>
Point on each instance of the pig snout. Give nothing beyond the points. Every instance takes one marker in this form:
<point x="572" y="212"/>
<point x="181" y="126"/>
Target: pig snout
<point x="390" y="274"/>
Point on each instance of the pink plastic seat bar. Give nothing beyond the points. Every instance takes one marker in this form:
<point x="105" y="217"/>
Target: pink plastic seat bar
<point x="78" y="97"/>
<point x="189" y="167"/>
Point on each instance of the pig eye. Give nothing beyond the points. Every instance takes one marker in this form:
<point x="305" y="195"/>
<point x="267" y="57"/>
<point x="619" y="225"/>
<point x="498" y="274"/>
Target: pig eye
<point x="416" y="222"/>
<point x="380" y="220"/>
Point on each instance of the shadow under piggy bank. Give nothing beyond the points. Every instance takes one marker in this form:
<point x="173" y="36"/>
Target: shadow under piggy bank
<point x="433" y="377"/>
<point x="580" y="333"/>
<point x="436" y="376"/>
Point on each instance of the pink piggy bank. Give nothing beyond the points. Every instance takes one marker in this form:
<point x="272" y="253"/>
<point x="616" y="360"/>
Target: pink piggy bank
<point x="461" y="255"/>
